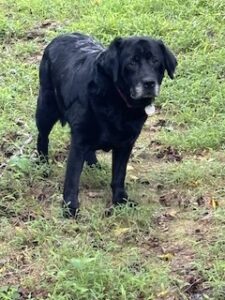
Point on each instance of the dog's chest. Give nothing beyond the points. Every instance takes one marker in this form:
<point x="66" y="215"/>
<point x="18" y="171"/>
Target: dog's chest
<point x="117" y="130"/>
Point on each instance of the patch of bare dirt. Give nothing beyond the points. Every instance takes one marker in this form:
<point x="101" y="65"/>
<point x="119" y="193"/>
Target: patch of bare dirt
<point x="169" y="154"/>
<point x="35" y="58"/>
<point x="26" y="293"/>
<point x="18" y="267"/>
<point x="39" y="31"/>
<point x="7" y="147"/>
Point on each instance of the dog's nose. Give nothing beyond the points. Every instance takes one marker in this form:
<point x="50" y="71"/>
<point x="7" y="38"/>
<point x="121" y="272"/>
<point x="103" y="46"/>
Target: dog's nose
<point x="148" y="83"/>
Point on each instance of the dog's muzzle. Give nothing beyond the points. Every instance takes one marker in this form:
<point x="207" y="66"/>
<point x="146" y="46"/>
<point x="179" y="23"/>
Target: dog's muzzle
<point x="145" y="89"/>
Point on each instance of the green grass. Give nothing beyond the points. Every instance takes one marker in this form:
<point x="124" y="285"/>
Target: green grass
<point x="159" y="251"/>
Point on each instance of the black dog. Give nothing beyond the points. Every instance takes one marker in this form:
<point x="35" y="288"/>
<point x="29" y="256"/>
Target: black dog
<point x="103" y="95"/>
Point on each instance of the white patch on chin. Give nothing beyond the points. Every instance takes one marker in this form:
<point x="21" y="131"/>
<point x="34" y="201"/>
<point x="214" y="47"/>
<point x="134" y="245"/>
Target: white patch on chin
<point x="138" y="91"/>
<point x="157" y="89"/>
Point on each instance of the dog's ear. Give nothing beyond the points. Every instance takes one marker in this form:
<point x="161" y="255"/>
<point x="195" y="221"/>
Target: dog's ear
<point x="169" y="59"/>
<point x="110" y="59"/>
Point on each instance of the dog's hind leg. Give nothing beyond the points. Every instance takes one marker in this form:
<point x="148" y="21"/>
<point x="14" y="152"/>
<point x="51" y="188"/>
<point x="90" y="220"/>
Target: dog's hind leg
<point x="73" y="171"/>
<point x="47" y="115"/>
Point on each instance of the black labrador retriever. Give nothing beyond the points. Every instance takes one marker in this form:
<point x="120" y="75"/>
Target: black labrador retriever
<point x="105" y="95"/>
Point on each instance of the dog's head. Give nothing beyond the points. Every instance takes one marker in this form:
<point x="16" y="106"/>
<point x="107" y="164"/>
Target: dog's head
<point x="137" y="65"/>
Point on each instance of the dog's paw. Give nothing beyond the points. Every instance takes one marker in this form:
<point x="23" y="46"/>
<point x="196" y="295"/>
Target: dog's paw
<point x="119" y="205"/>
<point x="42" y="159"/>
<point x="109" y="211"/>
<point x="125" y="201"/>
<point x="70" y="212"/>
<point x="43" y="165"/>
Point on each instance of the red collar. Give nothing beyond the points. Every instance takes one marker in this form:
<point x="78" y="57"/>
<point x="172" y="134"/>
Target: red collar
<point x="123" y="97"/>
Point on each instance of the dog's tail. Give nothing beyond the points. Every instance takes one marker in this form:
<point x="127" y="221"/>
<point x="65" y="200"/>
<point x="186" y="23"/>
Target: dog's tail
<point x="45" y="72"/>
<point x="46" y="84"/>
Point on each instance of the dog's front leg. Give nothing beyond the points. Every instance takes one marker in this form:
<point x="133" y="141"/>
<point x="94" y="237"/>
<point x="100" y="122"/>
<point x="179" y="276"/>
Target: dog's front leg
<point x="120" y="159"/>
<point x="72" y="179"/>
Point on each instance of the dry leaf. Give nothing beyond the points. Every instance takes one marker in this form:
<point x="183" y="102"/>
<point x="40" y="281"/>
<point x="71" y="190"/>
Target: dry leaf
<point x="166" y="256"/>
<point x="95" y="194"/>
<point x="130" y="168"/>
<point x="18" y="229"/>
<point x="171" y="214"/>
<point x="163" y="294"/>
<point x="214" y="203"/>
<point x="195" y="183"/>
<point x="119" y="231"/>
<point x="133" y="177"/>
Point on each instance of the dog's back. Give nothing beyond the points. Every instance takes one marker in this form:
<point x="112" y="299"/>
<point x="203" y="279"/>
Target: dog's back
<point x="63" y="58"/>
<point x="69" y="51"/>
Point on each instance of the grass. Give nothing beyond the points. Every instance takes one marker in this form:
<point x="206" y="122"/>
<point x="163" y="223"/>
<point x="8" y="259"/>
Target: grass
<point x="172" y="245"/>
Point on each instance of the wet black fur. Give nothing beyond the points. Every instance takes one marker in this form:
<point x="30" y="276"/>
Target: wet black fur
<point x="88" y="86"/>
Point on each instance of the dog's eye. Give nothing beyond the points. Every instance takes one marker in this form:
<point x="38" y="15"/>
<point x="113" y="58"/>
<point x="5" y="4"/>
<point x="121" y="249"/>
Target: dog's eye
<point x="155" y="60"/>
<point x="134" y="61"/>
